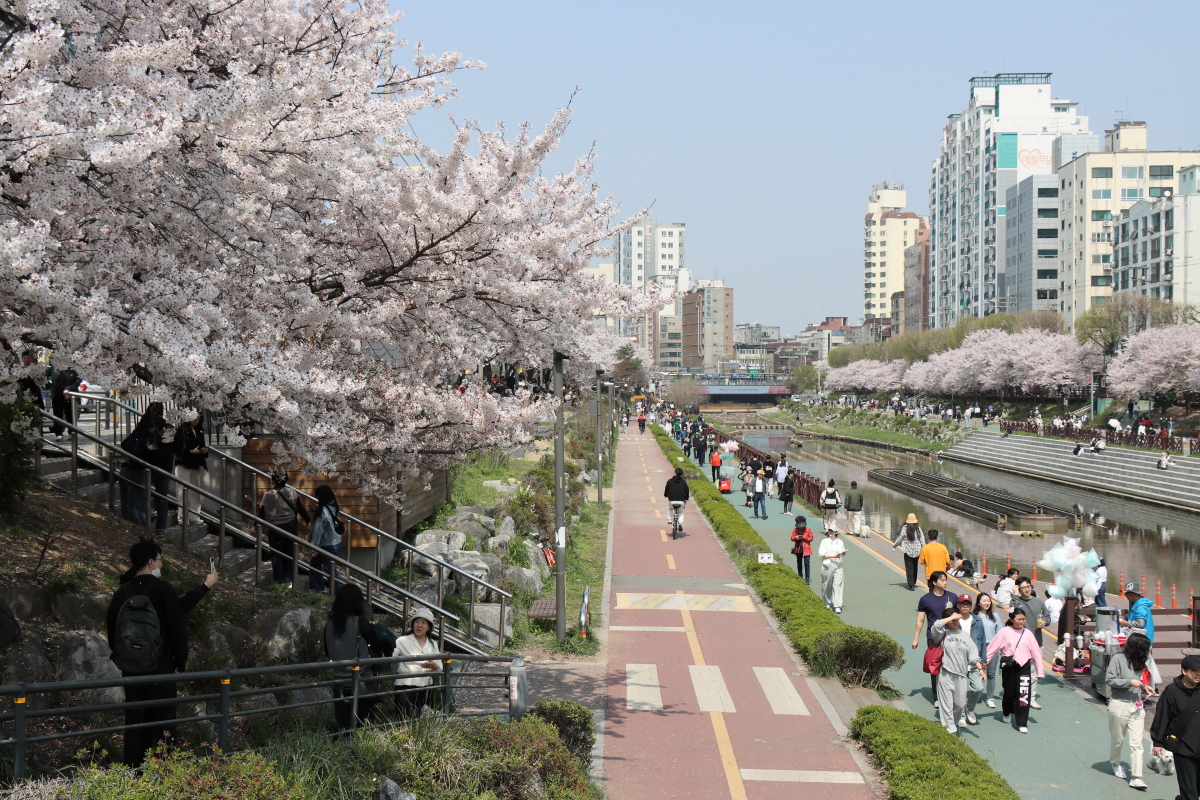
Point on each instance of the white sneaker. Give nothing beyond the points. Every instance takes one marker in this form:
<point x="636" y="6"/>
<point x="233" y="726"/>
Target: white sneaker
<point x="1138" y="783"/>
<point x="1006" y="718"/>
<point x="837" y="610"/>
<point x="1035" y="704"/>
<point x="972" y="719"/>
<point x="1119" y="771"/>
<point x="991" y="703"/>
<point x="1023" y="730"/>
<point x="951" y="729"/>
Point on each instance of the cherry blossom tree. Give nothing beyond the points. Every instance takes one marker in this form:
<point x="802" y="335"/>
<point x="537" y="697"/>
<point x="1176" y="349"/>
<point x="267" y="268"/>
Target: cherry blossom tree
<point x="226" y="199"/>
<point x="1157" y="361"/>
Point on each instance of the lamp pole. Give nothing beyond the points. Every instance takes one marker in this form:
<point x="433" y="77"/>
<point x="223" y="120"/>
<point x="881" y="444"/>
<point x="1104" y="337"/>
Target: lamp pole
<point x="560" y="511"/>
<point x="599" y="449"/>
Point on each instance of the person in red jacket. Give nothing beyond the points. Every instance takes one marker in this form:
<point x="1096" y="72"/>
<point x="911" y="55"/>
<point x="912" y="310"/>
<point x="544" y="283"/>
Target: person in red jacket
<point x="715" y="462"/>
<point x="802" y="535"/>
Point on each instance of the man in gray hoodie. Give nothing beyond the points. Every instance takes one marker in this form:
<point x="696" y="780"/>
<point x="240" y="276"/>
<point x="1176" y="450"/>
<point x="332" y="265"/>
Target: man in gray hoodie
<point x="959" y="655"/>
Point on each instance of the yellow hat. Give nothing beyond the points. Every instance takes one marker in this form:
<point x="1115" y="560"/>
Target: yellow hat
<point x="912" y="519"/>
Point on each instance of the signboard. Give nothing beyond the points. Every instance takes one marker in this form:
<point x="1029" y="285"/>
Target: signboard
<point x="745" y="389"/>
<point x="766" y="558"/>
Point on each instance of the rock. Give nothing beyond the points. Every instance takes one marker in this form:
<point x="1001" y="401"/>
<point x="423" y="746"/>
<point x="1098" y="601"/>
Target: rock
<point x="282" y="630"/>
<point x="86" y="657"/>
<point x="82" y="612"/>
<point x="311" y="694"/>
<point x="498" y="544"/>
<point x="536" y="559"/>
<point x="10" y="629"/>
<point x="586" y="477"/>
<point x="235" y="641"/>
<point x="470" y="525"/>
<point x="471" y="563"/>
<point x="574" y="518"/>
<point x="26" y="662"/>
<point x="507" y="527"/>
<point x="526" y="580"/>
<point x="535" y="786"/>
<point x="454" y="540"/>
<point x="26" y="602"/>
<point x="495" y="566"/>
<point x="478" y="509"/>
<point x="470" y="516"/>
<point x="388" y="789"/>
<point x="435" y="549"/>
<point x="487" y="623"/>
<point x="237" y="561"/>
<point x="427" y="589"/>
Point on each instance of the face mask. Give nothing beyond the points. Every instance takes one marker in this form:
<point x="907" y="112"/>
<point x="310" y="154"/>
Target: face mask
<point x="156" y="573"/>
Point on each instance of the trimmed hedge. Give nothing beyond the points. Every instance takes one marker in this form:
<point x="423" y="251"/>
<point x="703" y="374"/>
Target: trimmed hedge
<point x="857" y="656"/>
<point x="673" y="453"/>
<point x="923" y="762"/>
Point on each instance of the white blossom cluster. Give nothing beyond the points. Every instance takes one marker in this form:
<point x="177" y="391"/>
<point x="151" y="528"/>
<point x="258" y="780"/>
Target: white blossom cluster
<point x="226" y="200"/>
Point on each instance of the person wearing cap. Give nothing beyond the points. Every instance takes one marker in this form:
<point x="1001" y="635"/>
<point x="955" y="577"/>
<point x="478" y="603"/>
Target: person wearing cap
<point x="959" y="655"/>
<point x="912" y="539"/>
<point x="802" y="535"/>
<point x="1140" y="619"/>
<point x="854" y="509"/>
<point x="934" y="556"/>
<point x="1176" y="727"/>
<point x="832" y="551"/>
<point x="416" y="643"/>
<point x="760" y="494"/>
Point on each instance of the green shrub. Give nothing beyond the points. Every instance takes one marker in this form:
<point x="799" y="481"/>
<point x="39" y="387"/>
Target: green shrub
<point x="527" y="747"/>
<point x="17" y="450"/>
<point x="573" y="722"/>
<point x="922" y="761"/>
<point x="673" y="453"/>
<point x="575" y="645"/>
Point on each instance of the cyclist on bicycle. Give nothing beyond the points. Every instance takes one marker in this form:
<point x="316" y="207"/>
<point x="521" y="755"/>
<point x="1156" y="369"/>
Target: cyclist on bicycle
<point x="641" y="422"/>
<point x="677" y="494"/>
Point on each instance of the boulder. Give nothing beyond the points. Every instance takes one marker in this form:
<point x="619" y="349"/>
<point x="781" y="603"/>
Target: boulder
<point x="498" y="544"/>
<point x="454" y="540"/>
<point x="10" y="629"/>
<point x="536" y="559"/>
<point x="427" y="589"/>
<point x="309" y="695"/>
<point x="87" y="611"/>
<point x="388" y="789"/>
<point x="26" y="662"/>
<point x="487" y="623"/>
<point x="470" y="524"/>
<point x="487" y="511"/>
<point x="235" y="641"/>
<point x="507" y="527"/>
<point x="435" y="549"/>
<point x="87" y="657"/>
<point x="528" y="581"/>
<point x="282" y="630"/>
<point x="239" y="560"/>
<point x="495" y="566"/>
<point x="471" y="563"/>
<point x="26" y="602"/>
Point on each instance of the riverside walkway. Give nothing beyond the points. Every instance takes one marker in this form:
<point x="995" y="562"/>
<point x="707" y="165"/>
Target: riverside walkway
<point x="704" y="698"/>
<point x="1065" y="753"/>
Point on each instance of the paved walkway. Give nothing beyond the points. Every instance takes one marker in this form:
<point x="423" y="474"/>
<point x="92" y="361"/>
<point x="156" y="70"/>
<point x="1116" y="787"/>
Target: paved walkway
<point x="1065" y="753"/>
<point x="704" y="699"/>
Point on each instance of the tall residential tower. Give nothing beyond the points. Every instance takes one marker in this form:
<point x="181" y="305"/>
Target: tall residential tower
<point x="887" y="230"/>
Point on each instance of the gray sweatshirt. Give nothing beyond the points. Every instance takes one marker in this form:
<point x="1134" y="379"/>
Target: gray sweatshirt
<point x="1118" y="675"/>
<point x="959" y="653"/>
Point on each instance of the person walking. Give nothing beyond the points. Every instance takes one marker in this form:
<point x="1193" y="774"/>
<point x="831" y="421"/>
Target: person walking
<point x="417" y="642"/>
<point x="1020" y="660"/>
<point x="911" y="538"/>
<point x="769" y="470"/>
<point x="934" y="556"/>
<point x="832" y="551"/>
<point x="930" y="608"/>
<point x="1006" y="587"/>
<point x="787" y="492"/>
<point x="161" y="455"/>
<point x="747" y="477"/>
<point x="1036" y="618"/>
<point x="959" y="657"/>
<point x="62" y="404"/>
<point x="1176" y="727"/>
<point x="782" y="473"/>
<point x="829" y="501"/>
<point x="279" y="506"/>
<point x="714" y="461"/>
<point x="348" y="636"/>
<point x="1101" y="580"/>
<point x="324" y="534"/>
<point x="803" y="536"/>
<point x="854" y="509"/>
<point x="1130" y="684"/>
<point x="191" y="453"/>
<point x="760" y="497"/>
<point x="985" y="624"/>
<point x="28" y="388"/>
<point x="142" y="443"/>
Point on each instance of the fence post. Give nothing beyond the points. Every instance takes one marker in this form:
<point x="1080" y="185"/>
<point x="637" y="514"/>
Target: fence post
<point x="516" y="689"/>
<point x="355" y="671"/>
<point x="221" y="541"/>
<point x="223" y="729"/>
<point x="183" y="516"/>
<point x="19" y="736"/>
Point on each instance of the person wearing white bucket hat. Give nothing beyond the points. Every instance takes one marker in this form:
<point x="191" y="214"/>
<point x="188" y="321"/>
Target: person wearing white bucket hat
<point x="417" y="642"/>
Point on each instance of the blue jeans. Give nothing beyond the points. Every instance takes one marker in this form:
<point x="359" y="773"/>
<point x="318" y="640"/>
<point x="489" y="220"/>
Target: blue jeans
<point x="318" y="573"/>
<point x="760" y="501"/>
<point x="803" y="567"/>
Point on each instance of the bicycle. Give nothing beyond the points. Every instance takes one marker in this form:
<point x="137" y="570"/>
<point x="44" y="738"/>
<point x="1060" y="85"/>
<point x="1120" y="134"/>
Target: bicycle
<point x="676" y="527"/>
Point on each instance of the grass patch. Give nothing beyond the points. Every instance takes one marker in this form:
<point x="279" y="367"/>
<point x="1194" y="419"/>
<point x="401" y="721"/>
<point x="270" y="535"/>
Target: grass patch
<point x="923" y="762"/>
<point x="857" y="656"/>
<point x="902" y="431"/>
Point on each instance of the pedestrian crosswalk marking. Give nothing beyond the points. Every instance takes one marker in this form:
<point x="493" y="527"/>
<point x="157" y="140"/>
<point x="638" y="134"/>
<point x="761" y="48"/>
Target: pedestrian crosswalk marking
<point x="642" y="692"/>
<point x="780" y="692"/>
<point x="711" y="692"/>
<point x="692" y="602"/>
<point x="802" y="776"/>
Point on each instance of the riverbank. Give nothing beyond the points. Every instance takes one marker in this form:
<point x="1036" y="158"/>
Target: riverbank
<point x="878" y="433"/>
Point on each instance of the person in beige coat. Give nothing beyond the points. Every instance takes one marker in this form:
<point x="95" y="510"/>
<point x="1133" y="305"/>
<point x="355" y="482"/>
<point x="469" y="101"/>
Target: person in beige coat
<point x="417" y="691"/>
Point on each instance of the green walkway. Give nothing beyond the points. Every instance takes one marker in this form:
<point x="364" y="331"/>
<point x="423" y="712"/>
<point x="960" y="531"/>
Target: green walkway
<point x="1065" y="753"/>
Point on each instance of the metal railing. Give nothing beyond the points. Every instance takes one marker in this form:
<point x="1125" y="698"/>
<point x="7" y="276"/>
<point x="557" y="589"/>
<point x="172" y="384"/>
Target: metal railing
<point x="219" y="702"/>
<point x="411" y="550"/>
<point x="374" y="584"/>
<point x="1160" y="441"/>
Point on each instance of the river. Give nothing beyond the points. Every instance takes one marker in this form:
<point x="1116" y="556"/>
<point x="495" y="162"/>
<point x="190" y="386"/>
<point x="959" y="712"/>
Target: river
<point x="1134" y="538"/>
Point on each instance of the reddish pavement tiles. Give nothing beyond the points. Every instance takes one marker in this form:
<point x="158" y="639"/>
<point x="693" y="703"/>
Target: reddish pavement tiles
<point x="705" y="723"/>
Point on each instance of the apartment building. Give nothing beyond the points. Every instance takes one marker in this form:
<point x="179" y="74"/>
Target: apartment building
<point x="887" y="230"/>
<point x="1096" y="189"/>
<point x="707" y="327"/>
<point x="604" y="272"/>
<point x="1031" y="245"/>
<point x="1005" y="134"/>
<point x="818" y="340"/>
<point x="914" y="315"/>
<point x="1157" y="246"/>
<point x="754" y="333"/>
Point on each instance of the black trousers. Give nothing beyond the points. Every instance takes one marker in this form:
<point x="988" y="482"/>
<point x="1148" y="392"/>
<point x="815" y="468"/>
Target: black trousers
<point x="343" y="710"/>
<point x="1018" y="684"/>
<point x="716" y="472"/>
<point x="139" y="740"/>
<point x="410" y="703"/>
<point x="283" y="551"/>
<point x="910" y="570"/>
<point x="63" y="408"/>
<point x="1187" y="773"/>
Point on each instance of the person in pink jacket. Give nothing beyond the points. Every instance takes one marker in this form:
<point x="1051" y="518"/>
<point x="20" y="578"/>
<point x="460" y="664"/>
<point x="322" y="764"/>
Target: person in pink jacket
<point x="1020" y="656"/>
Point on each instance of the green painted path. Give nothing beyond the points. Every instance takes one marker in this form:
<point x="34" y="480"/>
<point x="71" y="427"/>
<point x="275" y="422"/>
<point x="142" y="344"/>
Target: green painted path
<point x="1065" y="753"/>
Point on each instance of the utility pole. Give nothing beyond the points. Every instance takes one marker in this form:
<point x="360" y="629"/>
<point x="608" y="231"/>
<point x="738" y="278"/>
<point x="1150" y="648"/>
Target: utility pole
<point x="560" y="509"/>
<point x="599" y="446"/>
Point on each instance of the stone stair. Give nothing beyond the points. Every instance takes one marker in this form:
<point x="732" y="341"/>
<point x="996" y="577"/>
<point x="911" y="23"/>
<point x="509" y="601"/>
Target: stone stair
<point x="1118" y="470"/>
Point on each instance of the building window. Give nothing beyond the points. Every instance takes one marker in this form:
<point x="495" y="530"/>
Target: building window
<point x="1101" y="216"/>
<point x="1047" y="233"/>
<point x="1047" y="274"/>
<point x="1133" y="173"/>
<point x="1047" y="294"/>
<point x="1101" y="172"/>
<point x="1163" y="172"/>
<point x="1102" y="237"/>
<point x="1124" y="279"/>
<point x="1047" y="191"/>
<point x="1047" y="254"/>
<point x="1047" y="213"/>
<point x="1102" y="280"/>
<point x="1061" y="109"/>
<point x="1102" y="194"/>
<point x="1102" y="258"/>
<point x="1160" y="191"/>
<point x="1132" y="194"/>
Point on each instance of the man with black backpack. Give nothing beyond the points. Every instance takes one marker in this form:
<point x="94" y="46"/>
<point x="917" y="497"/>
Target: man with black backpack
<point x="147" y="635"/>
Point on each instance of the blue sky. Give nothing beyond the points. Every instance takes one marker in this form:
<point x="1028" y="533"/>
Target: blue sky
<point x="763" y="125"/>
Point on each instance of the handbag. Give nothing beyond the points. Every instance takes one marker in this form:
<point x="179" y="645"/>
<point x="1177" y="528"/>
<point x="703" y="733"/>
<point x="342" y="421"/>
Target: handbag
<point x="932" y="660"/>
<point x="1008" y="662"/>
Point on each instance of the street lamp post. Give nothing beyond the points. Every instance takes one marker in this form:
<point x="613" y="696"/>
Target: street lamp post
<point x="599" y="449"/>
<point x="560" y="511"/>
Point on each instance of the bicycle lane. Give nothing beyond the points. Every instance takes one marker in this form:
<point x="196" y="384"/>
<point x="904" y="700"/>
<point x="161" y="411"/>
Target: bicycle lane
<point x="704" y="700"/>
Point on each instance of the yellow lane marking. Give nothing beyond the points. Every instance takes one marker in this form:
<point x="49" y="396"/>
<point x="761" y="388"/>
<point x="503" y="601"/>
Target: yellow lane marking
<point x="647" y="479"/>
<point x="658" y="513"/>
<point x="652" y="500"/>
<point x="670" y="558"/>
<point x="685" y="602"/>
<point x="663" y="534"/>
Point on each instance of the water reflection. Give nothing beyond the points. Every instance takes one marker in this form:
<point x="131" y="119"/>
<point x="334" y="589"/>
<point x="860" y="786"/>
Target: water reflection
<point x="1133" y="538"/>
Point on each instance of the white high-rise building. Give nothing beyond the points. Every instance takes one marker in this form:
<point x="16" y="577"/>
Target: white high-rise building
<point x="887" y="230"/>
<point x="653" y="252"/>
<point x="1006" y="134"/>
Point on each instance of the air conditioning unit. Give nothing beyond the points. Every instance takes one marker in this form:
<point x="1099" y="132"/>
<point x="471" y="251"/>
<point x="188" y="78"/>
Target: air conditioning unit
<point x="1168" y="192"/>
<point x="1107" y="223"/>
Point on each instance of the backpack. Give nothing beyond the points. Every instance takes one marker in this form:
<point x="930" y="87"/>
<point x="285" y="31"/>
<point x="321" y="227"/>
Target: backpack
<point x="387" y="643"/>
<point x="138" y="644"/>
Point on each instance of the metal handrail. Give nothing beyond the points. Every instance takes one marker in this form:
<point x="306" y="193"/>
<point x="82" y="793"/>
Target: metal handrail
<point x="365" y="575"/>
<point x="514" y="686"/>
<point x="408" y="546"/>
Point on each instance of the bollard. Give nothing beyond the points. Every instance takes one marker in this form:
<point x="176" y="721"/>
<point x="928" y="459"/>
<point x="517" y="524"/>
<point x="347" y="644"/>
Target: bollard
<point x="1033" y="574"/>
<point x="446" y="697"/>
<point x="223" y="729"/>
<point x="516" y="689"/>
<point x="1173" y="595"/>
<point x="1158" y="593"/>
<point x="983" y="564"/>
<point x="1143" y="586"/>
<point x="19" y="735"/>
<point x="1007" y="562"/>
<point x="1122" y="580"/>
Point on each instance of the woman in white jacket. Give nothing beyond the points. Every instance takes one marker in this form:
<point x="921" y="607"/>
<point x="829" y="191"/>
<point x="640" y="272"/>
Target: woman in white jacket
<point x="418" y="642"/>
